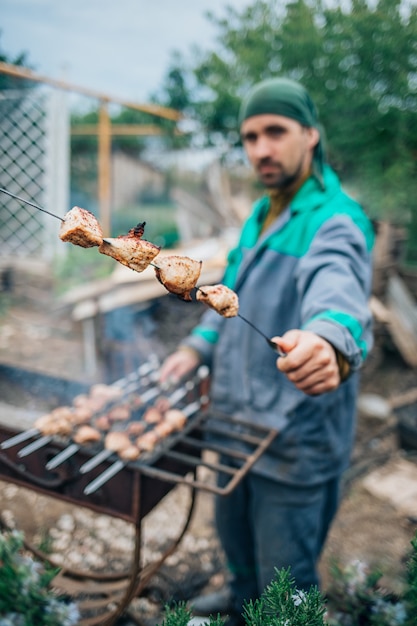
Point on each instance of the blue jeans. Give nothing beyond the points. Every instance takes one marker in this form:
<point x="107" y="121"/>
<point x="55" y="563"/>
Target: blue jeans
<point x="265" y="525"/>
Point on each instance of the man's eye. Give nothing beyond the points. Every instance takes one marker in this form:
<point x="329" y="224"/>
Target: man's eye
<point x="275" y="131"/>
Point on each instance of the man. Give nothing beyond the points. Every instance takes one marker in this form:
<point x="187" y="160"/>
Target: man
<point x="302" y="271"/>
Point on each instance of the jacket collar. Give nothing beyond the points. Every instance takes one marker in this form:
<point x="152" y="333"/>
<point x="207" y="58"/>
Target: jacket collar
<point x="312" y="193"/>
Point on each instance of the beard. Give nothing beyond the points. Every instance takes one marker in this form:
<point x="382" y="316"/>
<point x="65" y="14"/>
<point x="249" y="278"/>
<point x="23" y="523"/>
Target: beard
<point x="278" y="177"/>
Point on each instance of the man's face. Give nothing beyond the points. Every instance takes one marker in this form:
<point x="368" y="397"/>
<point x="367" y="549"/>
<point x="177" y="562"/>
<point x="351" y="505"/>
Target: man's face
<point x="279" y="148"/>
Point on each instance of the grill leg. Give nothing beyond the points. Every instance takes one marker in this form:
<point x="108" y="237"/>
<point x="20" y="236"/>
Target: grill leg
<point x="141" y="577"/>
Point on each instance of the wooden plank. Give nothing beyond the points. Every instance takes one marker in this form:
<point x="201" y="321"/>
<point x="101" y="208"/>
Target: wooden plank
<point x="395" y="483"/>
<point x="379" y="310"/>
<point x="403" y="319"/>
<point x="403" y="399"/>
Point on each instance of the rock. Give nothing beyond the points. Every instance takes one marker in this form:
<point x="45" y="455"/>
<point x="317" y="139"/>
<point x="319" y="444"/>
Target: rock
<point x="373" y="405"/>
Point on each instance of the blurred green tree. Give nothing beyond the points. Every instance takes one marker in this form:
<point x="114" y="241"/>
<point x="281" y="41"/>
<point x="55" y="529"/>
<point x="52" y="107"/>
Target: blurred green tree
<point x="10" y="82"/>
<point x="359" y="62"/>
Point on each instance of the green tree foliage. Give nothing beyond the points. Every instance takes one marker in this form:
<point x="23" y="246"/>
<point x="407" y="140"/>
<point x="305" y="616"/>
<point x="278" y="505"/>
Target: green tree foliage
<point x="11" y="82"/>
<point x="359" y="62"/>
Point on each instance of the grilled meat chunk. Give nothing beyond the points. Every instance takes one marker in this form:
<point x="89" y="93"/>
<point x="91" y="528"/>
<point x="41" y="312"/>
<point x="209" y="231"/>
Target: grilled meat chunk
<point x="86" y="434"/>
<point x="81" y="415"/>
<point x="117" y="441"/>
<point x="102" y="422"/>
<point x="147" y="441"/>
<point x="108" y="392"/>
<point x="178" y="274"/>
<point x="119" y="413"/>
<point x="163" y="429"/>
<point x="131" y="250"/>
<point x="57" y="422"/>
<point x="175" y="418"/>
<point x="130" y="453"/>
<point x="220" y="298"/>
<point x="152" y="415"/>
<point x="81" y="228"/>
<point x="135" y="428"/>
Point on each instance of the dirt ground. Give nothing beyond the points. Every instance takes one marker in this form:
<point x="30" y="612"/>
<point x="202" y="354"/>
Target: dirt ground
<point x="36" y="336"/>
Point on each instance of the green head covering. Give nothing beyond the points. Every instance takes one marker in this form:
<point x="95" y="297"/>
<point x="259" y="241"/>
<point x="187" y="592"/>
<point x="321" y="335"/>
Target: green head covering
<point x="282" y="96"/>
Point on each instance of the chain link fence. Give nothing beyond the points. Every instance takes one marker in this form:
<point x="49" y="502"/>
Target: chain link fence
<point x="34" y="136"/>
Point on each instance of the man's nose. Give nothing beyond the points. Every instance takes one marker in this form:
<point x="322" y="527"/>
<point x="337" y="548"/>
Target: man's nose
<point x="262" y="148"/>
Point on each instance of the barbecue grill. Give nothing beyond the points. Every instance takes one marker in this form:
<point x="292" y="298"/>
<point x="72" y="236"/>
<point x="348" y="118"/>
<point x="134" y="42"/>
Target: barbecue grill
<point x="92" y="477"/>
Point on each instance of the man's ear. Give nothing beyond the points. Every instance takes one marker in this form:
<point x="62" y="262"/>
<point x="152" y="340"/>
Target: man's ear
<point x="313" y="136"/>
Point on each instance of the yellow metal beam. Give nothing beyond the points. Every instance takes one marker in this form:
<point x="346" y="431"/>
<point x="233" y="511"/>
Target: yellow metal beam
<point x="103" y="129"/>
<point x="120" y="129"/>
<point x="104" y="167"/>
<point x="152" y="109"/>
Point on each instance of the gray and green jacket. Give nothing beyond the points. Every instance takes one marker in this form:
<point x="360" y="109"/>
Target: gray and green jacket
<point x="311" y="270"/>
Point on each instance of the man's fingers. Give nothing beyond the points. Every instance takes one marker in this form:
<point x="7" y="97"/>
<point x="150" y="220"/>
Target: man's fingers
<point x="310" y="363"/>
<point x="288" y="341"/>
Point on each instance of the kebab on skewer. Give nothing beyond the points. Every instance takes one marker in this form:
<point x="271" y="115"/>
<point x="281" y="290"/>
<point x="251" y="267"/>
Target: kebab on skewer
<point x="220" y="298"/>
<point x="131" y="250"/>
<point x="173" y="420"/>
<point x="81" y="228"/>
<point x="178" y="274"/>
<point x="118" y="465"/>
<point x="86" y="434"/>
<point x="57" y="422"/>
<point x="62" y="420"/>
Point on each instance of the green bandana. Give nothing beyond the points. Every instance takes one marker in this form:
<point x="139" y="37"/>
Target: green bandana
<point x="282" y="96"/>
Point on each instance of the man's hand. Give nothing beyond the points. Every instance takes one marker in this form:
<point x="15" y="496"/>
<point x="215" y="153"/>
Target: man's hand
<point x="310" y="362"/>
<point x="178" y="365"/>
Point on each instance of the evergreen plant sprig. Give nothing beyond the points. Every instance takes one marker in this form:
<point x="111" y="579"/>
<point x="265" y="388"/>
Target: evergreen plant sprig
<point x="26" y="598"/>
<point x="282" y="604"/>
<point x="410" y="595"/>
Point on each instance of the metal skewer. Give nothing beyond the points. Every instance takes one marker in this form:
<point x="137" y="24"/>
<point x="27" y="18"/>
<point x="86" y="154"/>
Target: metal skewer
<point x="62" y="456"/>
<point x="118" y="465"/>
<point x="73" y="448"/>
<point x="146" y="368"/>
<point x="105" y="454"/>
<point x="36" y="206"/>
<point x="271" y="343"/>
<point x="43" y="441"/>
<point x="175" y="397"/>
<point x="35" y="445"/>
<point x="20" y="438"/>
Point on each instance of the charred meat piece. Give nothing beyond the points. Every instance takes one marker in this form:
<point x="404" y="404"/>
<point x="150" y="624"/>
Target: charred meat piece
<point x="108" y="392"/>
<point x="163" y="429"/>
<point x="86" y="434"/>
<point x="130" y="453"/>
<point x="220" y="298"/>
<point x="81" y="400"/>
<point x="178" y="274"/>
<point x="147" y="441"/>
<point x="162" y="404"/>
<point x="81" y="228"/>
<point x="131" y="250"/>
<point x="175" y="418"/>
<point x="117" y="441"/>
<point x="135" y="428"/>
<point x="152" y="415"/>
<point x="81" y="415"/>
<point x="119" y="413"/>
<point x="54" y="423"/>
<point x="102" y="422"/>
